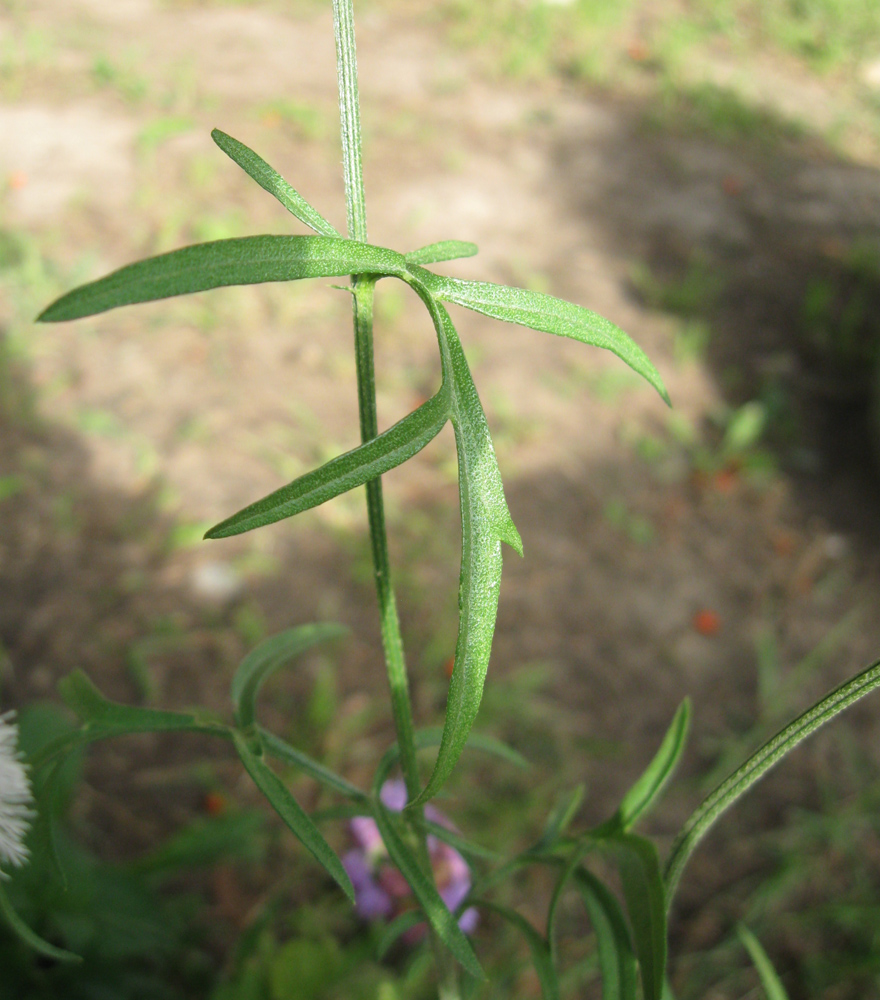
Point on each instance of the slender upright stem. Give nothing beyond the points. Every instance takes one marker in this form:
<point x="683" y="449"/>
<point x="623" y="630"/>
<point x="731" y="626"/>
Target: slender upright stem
<point x="362" y="289"/>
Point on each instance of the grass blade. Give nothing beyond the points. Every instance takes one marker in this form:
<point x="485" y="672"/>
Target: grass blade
<point x="724" y="796"/>
<point x="437" y="912"/>
<point x="617" y="962"/>
<point x="644" y="793"/>
<point x="540" y="950"/>
<point x="485" y="523"/>
<point x="356" y="467"/>
<point x="646" y="905"/>
<point x="769" y="979"/>
<point x="295" y="818"/>
<point x="267" y="657"/>
<point x="434" y="253"/>
<point x="246" y="260"/>
<point x="270" y="180"/>
<point x="542" y="312"/>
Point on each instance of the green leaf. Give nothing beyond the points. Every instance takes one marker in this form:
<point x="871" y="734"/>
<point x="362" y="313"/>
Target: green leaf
<point x="645" y="903"/>
<point x="617" y="963"/>
<point x="724" y="796"/>
<point x="644" y="793"/>
<point x="565" y="875"/>
<point x="283" y="751"/>
<point x="267" y="658"/>
<point x="103" y="718"/>
<point x="538" y="947"/>
<point x="270" y="180"/>
<point x="246" y="260"/>
<point x="296" y="819"/>
<point x="437" y="912"/>
<point x="398" y="927"/>
<point x="485" y="523"/>
<point x="24" y="933"/>
<point x="465" y="847"/>
<point x="434" y="253"/>
<point x="356" y="467"/>
<point x="769" y="979"/>
<point x="542" y="312"/>
<point x="560" y="816"/>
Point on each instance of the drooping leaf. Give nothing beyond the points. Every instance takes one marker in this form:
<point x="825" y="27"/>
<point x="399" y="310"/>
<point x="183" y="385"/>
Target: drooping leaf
<point x="771" y="982"/>
<point x="24" y="933"/>
<point x="436" y="911"/>
<point x="723" y="797"/>
<point x="266" y="658"/>
<point x="270" y="180"/>
<point x="617" y="962"/>
<point x="245" y="260"/>
<point x="356" y="467"/>
<point x="644" y="793"/>
<point x="540" y="950"/>
<point x="434" y="253"/>
<point x="646" y="905"/>
<point x="539" y="311"/>
<point x="295" y="818"/>
<point x="485" y="523"/>
<point x="282" y="750"/>
<point x="565" y="874"/>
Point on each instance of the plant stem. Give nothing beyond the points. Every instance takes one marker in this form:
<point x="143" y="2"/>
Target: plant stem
<point x="362" y="292"/>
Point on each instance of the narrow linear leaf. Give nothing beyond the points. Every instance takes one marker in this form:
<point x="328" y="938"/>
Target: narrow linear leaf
<point x="645" y="903"/>
<point x="25" y="934"/>
<point x="565" y="876"/>
<point x="267" y="657"/>
<point x="646" y="790"/>
<point x="356" y="467"/>
<point x="270" y="180"/>
<point x="464" y="846"/>
<point x="538" y="947"/>
<point x="434" y="253"/>
<point x="560" y="816"/>
<point x="617" y="962"/>
<point x="296" y="819"/>
<point x="396" y="929"/>
<point x="485" y="523"/>
<point x="246" y="260"/>
<point x="437" y="912"/>
<point x="769" y="979"/>
<point x="283" y="751"/>
<point x="103" y="718"/>
<point x="539" y="311"/>
<point x="724" y="796"/>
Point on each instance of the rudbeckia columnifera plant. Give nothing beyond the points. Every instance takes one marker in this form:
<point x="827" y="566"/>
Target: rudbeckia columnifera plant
<point x="402" y="842"/>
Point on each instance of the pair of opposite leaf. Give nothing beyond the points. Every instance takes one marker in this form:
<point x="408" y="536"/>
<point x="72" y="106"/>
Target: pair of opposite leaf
<point x="486" y="520"/>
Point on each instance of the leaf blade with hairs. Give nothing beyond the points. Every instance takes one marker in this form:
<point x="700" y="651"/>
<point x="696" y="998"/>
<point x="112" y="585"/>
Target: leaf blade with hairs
<point x="245" y="260"/>
<point x="547" y="313"/>
<point x="367" y="461"/>
<point x="270" y="180"/>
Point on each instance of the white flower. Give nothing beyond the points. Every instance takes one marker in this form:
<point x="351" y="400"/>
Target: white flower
<point x="15" y="796"/>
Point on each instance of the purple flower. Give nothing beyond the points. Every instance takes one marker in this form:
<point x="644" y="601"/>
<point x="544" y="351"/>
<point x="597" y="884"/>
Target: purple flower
<point x="381" y="892"/>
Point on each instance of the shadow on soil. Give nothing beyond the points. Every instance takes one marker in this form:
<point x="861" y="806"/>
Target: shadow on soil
<point x="773" y="240"/>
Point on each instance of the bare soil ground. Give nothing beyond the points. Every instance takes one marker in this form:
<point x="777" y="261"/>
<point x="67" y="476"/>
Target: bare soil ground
<point x="648" y="575"/>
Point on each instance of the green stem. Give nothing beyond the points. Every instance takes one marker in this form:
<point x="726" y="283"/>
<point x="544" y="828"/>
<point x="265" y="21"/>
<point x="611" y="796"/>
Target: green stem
<point x="362" y="289"/>
<point x="362" y="294"/>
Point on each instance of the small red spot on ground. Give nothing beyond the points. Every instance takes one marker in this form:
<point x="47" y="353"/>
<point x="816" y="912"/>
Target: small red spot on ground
<point x="706" y="622"/>
<point x="214" y="803"/>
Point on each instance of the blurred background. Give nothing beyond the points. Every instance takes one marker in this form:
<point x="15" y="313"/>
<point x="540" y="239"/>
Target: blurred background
<point x="702" y="172"/>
